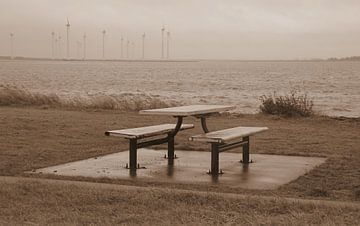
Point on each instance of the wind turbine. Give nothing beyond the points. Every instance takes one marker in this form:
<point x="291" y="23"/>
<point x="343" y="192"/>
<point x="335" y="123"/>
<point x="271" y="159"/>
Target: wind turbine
<point x="168" y="44"/>
<point x="143" y="46"/>
<point x="12" y="46"/>
<point x="59" y="47"/>
<point x="162" y="42"/>
<point x="122" y="40"/>
<point x="84" y="43"/>
<point x="52" y="45"/>
<point x="133" y="50"/>
<point x="78" y="44"/>
<point x="55" y="49"/>
<point x="103" y="32"/>
<point x="67" y="39"/>
<point x="127" y="48"/>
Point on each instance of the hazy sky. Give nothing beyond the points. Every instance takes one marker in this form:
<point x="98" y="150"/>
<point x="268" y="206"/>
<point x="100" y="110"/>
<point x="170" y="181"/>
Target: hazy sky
<point x="209" y="29"/>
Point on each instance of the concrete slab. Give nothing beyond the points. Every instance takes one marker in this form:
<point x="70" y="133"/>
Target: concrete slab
<point x="267" y="171"/>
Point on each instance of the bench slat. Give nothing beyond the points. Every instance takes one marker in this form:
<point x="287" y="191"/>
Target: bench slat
<point x="148" y="131"/>
<point x="225" y="135"/>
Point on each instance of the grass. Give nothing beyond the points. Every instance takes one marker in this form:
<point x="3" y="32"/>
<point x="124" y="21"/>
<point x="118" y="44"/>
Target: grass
<point x="36" y="138"/>
<point x="27" y="203"/>
<point x="10" y="95"/>
<point x="14" y="96"/>
<point x="292" y="104"/>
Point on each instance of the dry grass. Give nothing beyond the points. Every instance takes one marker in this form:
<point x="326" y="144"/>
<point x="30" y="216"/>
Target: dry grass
<point x="14" y="96"/>
<point x="36" y="138"/>
<point x="292" y="104"/>
<point x="40" y="203"/>
<point x="10" y="95"/>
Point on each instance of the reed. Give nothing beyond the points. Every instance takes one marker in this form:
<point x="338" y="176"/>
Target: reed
<point x="11" y="95"/>
<point x="293" y="104"/>
<point x="14" y="96"/>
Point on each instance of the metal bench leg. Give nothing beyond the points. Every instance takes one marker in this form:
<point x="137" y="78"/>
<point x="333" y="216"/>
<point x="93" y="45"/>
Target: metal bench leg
<point x="171" y="150"/>
<point x="246" y="151"/>
<point x="214" y="159"/>
<point x="133" y="154"/>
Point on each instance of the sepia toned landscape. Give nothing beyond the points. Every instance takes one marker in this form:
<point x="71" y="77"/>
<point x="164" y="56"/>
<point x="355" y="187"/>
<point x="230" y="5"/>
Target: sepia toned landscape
<point x="131" y="113"/>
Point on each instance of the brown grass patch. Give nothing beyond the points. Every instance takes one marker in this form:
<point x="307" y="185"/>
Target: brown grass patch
<point x="14" y="96"/>
<point x="69" y="204"/>
<point x="36" y="138"/>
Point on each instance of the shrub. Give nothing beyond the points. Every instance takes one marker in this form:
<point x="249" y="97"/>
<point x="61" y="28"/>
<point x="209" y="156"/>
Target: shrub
<point x="292" y="104"/>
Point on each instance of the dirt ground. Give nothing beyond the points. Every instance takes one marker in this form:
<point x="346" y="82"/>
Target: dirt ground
<point x="32" y="138"/>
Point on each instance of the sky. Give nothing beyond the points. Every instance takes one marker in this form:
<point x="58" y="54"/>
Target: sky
<point x="199" y="29"/>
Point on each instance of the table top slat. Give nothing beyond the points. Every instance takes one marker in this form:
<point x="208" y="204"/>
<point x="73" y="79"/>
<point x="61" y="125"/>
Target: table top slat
<point x="190" y="110"/>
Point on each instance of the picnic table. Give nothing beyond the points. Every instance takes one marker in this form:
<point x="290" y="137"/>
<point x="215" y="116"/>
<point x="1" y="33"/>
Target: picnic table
<point x="220" y="140"/>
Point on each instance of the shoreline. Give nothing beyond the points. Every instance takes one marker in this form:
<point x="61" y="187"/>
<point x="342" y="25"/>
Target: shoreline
<point x="12" y="96"/>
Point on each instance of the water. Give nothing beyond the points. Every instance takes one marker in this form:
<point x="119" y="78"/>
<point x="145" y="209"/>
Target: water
<point x="334" y="86"/>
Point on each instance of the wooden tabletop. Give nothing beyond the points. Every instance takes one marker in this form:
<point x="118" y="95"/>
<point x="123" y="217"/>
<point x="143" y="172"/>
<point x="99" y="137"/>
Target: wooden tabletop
<point x="189" y="110"/>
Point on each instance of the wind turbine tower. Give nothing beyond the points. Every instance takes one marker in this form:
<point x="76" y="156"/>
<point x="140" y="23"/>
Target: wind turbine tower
<point x="12" y="46"/>
<point x="132" y="50"/>
<point x="121" y="47"/>
<point x="59" y="47"/>
<point x="84" y="43"/>
<point x="168" y="45"/>
<point x="67" y="39"/>
<point x="162" y="42"/>
<point x="104" y="33"/>
<point x="127" y="48"/>
<point x="56" y="48"/>
<point x="52" y="45"/>
<point x="78" y="53"/>
<point x="143" y="46"/>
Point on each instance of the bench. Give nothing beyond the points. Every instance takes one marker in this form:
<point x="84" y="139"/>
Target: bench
<point x="224" y="140"/>
<point x="139" y="138"/>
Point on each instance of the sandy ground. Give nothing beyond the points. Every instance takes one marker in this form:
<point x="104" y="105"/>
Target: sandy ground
<point x="34" y="138"/>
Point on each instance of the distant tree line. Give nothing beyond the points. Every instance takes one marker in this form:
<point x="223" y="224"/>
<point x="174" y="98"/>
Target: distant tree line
<point x="352" y="58"/>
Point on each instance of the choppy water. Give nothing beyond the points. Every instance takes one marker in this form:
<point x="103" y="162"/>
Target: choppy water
<point x="334" y="86"/>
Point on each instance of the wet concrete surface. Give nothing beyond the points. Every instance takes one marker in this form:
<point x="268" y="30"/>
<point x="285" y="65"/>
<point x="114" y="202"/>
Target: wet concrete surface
<point x="267" y="171"/>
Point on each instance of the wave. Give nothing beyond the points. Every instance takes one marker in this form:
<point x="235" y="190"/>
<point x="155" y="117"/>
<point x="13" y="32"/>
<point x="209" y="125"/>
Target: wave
<point x="14" y="96"/>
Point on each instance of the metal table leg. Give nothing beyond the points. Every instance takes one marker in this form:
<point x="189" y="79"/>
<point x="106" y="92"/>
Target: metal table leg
<point x="246" y="151"/>
<point x="171" y="140"/>
<point x="133" y="154"/>
<point x="203" y="124"/>
<point x="214" y="159"/>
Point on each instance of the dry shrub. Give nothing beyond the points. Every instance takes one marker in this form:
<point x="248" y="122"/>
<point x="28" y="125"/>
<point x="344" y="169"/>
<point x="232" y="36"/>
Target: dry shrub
<point x="292" y="104"/>
<point x="13" y="96"/>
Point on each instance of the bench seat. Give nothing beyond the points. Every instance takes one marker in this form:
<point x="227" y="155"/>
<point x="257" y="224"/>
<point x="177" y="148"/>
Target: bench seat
<point x="136" y="139"/>
<point x="223" y="136"/>
<point x="228" y="139"/>
<point x="148" y="131"/>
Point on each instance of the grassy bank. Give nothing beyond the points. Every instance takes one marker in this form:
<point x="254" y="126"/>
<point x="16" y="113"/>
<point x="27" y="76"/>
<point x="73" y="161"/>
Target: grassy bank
<point x="55" y="203"/>
<point x="34" y="138"/>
